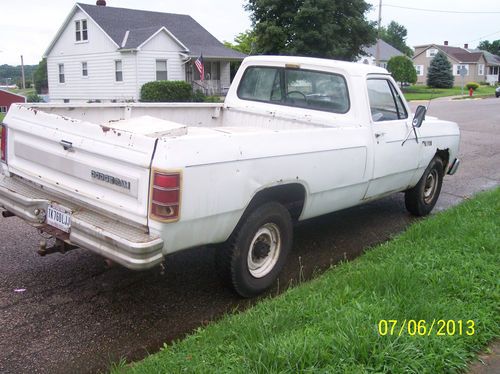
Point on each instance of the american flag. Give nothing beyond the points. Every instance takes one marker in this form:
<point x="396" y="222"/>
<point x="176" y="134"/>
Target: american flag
<point x="200" y="67"/>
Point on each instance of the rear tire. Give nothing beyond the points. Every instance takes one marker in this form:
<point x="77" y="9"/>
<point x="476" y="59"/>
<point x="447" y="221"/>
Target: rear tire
<point x="255" y="254"/>
<point x="420" y="200"/>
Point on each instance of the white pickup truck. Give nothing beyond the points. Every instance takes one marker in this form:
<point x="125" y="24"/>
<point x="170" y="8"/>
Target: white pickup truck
<point x="295" y="138"/>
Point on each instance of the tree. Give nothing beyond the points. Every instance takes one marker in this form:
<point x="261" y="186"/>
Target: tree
<point x="402" y="69"/>
<point x="318" y="28"/>
<point x="440" y="74"/>
<point x="492" y="47"/>
<point x="395" y="34"/>
<point x="40" y="75"/>
<point x="244" y="42"/>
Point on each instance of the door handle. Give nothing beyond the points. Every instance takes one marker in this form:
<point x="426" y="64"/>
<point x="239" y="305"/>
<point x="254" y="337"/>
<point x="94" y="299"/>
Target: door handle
<point x="379" y="134"/>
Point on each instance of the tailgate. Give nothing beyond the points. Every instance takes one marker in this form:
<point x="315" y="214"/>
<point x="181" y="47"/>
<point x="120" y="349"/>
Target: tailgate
<point x="106" y="166"/>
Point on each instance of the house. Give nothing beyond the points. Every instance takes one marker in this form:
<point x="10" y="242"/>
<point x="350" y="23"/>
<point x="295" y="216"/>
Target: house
<point x="492" y="67"/>
<point x="103" y="53"/>
<point x="7" y="98"/>
<point x="386" y="52"/>
<point x="473" y="62"/>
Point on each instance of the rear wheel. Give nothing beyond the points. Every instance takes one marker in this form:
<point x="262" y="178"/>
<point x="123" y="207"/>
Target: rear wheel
<point x="254" y="256"/>
<point x="420" y="200"/>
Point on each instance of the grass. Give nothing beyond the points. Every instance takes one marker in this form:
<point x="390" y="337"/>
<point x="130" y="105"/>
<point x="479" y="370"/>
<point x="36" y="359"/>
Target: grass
<point x="2" y="116"/>
<point x="418" y="92"/>
<point x="444" y="267"/>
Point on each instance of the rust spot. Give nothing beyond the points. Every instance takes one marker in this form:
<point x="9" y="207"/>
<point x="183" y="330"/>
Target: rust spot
<point x="105" y="129"/>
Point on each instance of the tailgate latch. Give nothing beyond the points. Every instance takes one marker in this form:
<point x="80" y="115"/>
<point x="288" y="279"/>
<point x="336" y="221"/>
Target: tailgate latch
<point x="68" y="146"/>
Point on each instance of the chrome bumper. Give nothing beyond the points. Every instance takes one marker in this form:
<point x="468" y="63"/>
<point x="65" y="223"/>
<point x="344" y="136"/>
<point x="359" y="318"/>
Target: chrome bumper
<point x="127" y="245"/>
<point x="454" y="166"/>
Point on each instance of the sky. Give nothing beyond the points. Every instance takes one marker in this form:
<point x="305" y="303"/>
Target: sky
<point x="28" y="26"/>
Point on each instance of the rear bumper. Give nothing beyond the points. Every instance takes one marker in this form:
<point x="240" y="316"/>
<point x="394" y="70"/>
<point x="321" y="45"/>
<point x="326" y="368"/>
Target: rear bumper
<point x="127" y="245"/>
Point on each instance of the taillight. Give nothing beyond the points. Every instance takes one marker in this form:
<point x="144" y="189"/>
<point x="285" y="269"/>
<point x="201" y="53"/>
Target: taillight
<point x="165" y="195"/>
<point x="4" y="143"/>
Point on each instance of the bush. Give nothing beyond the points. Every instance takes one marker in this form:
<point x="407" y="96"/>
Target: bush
<point x="472" y="85"/>
<point x="166" y="91"/>
<point x="34" y="98"/>
<point x="440" y="74"/>
<point x="402" y="69"/>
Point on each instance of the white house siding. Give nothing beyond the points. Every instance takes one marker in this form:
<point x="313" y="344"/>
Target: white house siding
<point x="161" y="47"/>
<point x="100" y="54"/>
<point x="100" y="84"/>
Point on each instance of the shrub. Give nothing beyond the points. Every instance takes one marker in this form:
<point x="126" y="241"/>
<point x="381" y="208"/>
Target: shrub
<point x="484" y="83"/>
<point x="34" y="98"/>
<point x="440" y="74"/>
<point x="166" y="91"/>
<point x="402" y="69"/>
<point x="472" y="85"/>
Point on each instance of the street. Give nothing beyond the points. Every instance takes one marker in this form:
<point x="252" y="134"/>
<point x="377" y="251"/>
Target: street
<point x="74" y="313"/>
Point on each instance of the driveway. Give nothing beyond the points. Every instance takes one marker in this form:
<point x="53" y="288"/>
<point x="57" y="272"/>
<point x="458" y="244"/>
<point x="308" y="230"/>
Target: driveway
<point x="72" y="313"/>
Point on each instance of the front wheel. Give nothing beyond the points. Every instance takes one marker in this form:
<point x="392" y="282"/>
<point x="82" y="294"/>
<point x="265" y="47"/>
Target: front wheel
<point x="420" y="200"/>
<point x="253" y="258"/>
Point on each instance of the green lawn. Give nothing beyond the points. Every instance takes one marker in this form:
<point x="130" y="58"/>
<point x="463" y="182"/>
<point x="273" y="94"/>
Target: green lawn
<point x="425" y="93"/>
<point x="2" y="116"/>
<point x="444" y="267"/>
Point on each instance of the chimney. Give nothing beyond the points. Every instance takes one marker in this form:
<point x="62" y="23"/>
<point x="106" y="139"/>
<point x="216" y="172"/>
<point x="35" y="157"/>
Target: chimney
<point x="446" y="42"/>
<point x="100" y="3"/>
<point x="466" y="46"/>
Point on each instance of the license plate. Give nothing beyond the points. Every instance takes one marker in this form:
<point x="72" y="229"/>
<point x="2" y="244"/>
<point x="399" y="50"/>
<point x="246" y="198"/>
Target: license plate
<point x="59" y="217"/>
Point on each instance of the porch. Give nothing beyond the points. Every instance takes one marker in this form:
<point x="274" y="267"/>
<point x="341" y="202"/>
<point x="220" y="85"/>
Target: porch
<point x="216" y="78"/>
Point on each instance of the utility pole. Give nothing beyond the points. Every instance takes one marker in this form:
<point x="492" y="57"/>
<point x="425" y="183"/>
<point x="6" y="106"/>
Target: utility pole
<point x="22" y="72"/>
<point x="377" y="54"/>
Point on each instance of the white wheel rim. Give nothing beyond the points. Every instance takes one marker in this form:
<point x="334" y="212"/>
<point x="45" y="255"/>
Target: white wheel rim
<point x="264" y="250"/>
<point x="430" y="186"/>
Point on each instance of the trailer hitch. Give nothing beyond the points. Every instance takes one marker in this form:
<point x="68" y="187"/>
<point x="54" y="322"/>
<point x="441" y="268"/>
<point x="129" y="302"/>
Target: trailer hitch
<point x="60" y="246"/>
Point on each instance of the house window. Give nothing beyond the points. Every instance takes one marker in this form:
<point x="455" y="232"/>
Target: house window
<point x="431" y="52"/>
<point x="85" y="71"/>
<point x="118" y="71"/>
<point x="457" y="68"/>
<point x="61" y="73"/>
<point x="161" y="70"/>
<point x="420" y="70"/>
<point x="81" y="32"/>
<point x="480" y="69"/>
<point x="3" y="109"/>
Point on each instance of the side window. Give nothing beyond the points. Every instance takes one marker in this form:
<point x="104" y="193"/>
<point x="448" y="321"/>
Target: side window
<point x="385" y="104"/>
<point x="296" y="88"/>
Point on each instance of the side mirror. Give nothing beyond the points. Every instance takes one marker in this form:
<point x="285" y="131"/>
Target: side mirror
<point x="419" y="116"/>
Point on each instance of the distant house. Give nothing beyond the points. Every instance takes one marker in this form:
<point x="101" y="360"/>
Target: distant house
<point x="473" y="62"/>
<point x="386" y="52"/>
<point x="7" y="98"/>
<point x="492" y="67"/>
<point x="106" y="54"/>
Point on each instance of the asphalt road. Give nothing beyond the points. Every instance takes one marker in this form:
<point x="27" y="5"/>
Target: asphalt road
<point x="72" y="313"/>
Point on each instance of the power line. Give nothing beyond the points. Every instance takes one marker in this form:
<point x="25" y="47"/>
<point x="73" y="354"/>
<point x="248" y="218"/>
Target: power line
<point x="484" y="36"/>
<point x="439" y="10"/>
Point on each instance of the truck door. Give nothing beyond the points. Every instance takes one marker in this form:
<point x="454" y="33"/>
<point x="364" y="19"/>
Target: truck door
<point x="394" y="164"/>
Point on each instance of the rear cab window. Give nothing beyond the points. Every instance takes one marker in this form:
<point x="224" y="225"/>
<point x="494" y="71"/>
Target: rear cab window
<point x="308" y="89"/>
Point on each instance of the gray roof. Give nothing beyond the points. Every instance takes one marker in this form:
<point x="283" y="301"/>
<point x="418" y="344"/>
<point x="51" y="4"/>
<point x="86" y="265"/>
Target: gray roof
<point x="386" y="50"/>
<point x="491" y="59"/>
<point x="142" y="24"/>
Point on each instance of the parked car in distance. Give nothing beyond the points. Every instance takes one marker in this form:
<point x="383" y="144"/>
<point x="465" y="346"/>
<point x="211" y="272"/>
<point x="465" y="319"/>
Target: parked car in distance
<point x="497" y="91"/>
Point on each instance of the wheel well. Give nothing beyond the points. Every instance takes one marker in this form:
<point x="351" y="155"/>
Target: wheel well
<point x="292" y="196"/>
<point x="444" y="155"/>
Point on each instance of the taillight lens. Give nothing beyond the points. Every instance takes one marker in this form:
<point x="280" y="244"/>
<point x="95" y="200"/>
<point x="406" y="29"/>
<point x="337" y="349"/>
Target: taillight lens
<point x="166" y="195"/>
<point x="4" y="143"/>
